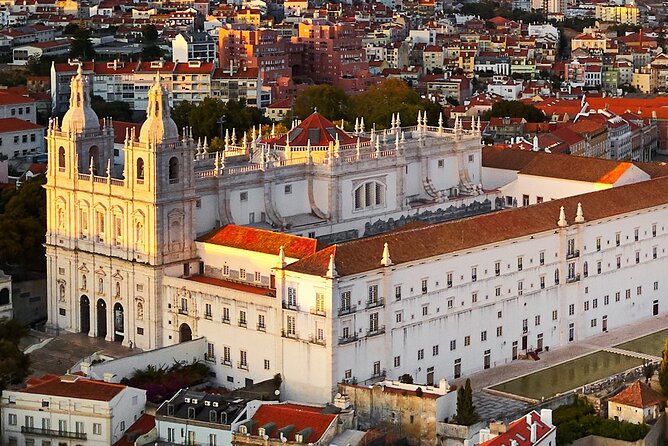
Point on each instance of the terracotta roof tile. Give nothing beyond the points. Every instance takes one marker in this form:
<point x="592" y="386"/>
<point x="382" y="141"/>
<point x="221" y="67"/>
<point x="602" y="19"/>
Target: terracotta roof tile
<point x="300" y="416"/>
<point x="576" y="168"/>
<point x="364" y="254"/>
<point x="520" y="431"/>
<point x="248" y="288"/>
<point x="81" y="388"/>
<point x="638" y="395"/>
<point x="258" y="240"/>
<point x="17" y="125"/>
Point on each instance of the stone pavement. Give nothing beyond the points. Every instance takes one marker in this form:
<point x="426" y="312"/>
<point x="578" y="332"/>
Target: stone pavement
<point x="60" y="353"/>
<point x="491" y="406"/>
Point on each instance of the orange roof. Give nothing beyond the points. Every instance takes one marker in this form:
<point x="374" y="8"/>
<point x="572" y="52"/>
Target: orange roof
<point x="10" y="99"/>
<point x="297" y="415"/>
<point x="82" y="388"/>
<point x="362" y="255"/>
<point x="248" y="288"/>
<point x="520" y="431"/>
<point x="576" y="168"/>
<point x="242" y="237"/>
<point x="317" y="129"/>
<point x="17" y="125"/>
<point x="140" y="427"/>
<point x="638" y="395"/>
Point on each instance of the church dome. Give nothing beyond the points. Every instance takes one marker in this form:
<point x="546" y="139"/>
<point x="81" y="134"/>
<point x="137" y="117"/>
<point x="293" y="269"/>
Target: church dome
<point x="159" y="127"/>
<point x="80" y="116"/>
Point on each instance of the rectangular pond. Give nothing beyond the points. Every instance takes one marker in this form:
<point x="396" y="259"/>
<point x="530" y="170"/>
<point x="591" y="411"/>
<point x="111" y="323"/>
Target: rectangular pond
<point x="651" y="344"/>
<point x="568" y="375"/>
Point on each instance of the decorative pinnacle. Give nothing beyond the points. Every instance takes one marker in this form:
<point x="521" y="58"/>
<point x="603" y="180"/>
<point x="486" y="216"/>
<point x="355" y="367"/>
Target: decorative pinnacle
<point x="386" y="261"/>
<point x="579" y="216"/>
<point x="562" y="218"/>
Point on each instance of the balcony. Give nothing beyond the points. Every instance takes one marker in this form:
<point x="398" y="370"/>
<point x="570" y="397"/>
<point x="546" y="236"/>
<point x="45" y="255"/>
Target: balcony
<point x="261" y="327"/>
<point x="375" y="331"/>
<point x="225" y="320"/>
<point x="378" y="302"/>
<point x="573" y="254"/>
<point x="571" y="279"/>
<point x="290" y="306"/>
<point x="226" y="362"/>
<point x="209" y="358"/>
<point x="348" y="339"/>
<point x="242" y="323"/>
<point x="242" y="365"/>
<point x="317" y="311"/>
<point x="315" y="340"/>
<point x="289" y="334"/>
<point x="183" y="311"/>
<point x="347" y="310"/>
<point x="53" y="433"/>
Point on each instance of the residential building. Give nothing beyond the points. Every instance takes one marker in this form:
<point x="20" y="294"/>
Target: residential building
<point x="22" y="54"/>
<point x="508" y="89"/>
<point x="413" y="413"/>
<point x="645" y="80"/>
<point x="16" y="106"/>
<point x="69" y="408"/>
<point x="593" y="44"/>
<point x="532" y="429"/>
<point x="637" y="404"/>
<point x="287" y="423"/>
<point x="191" y="417"/>
<point x="623" y="14"/>
<point x="6" y="311"/>
<point x="244" y="85"/>
<point x="19" y="138"/>
<point x="188" y="46"/>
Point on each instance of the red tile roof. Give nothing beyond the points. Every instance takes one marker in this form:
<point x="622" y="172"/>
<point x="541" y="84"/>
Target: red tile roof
<point x="300" y="416"/>
<point x="82" y="388"/>
<point x="319" y="130"/>
<point x="247" y="288"/>
<point x="140" y="427"/>
<point x="364" y="254"/>
<point x="520" y="431"/>
<point x="242" y="237"/>
<point x="576" y="168"/>
<point x="17" y="125"/>
<point x="638" y="395"/>
<point x="11" y="99"/>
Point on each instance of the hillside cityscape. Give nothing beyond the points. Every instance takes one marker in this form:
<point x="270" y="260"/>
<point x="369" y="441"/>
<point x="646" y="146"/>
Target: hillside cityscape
<point x="348" y="223"/>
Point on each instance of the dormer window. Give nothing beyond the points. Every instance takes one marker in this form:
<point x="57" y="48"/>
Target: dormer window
<point x="191" y="413"/>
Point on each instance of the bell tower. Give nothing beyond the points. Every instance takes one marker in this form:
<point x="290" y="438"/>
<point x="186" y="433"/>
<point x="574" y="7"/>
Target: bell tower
<point x="113" y="229"/>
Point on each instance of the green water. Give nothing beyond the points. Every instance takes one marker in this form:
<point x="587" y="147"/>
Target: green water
<point x="650" y="345"/>
<point x="569" y="375"/>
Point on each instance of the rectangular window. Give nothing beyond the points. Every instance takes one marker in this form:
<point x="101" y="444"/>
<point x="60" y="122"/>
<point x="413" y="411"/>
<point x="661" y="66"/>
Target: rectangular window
<point x="637" y="257"/>
<point x="243" y="196"/>
<point x="474" y="298"/>
<point x="242" y="274"/>
<point x="227" y="356"/>
<point x="636" y="233"/>
<point x="242" y="318"/>
<point x="499" y="331"/>
<point x="525" y="200"/>
<point x="656" y="286"/>
<point x="424" y="286"/>
<point x="420" y="354"/>
<point x="474" y="274"/>
<point x="467" y="341"/>
<point x="292" y="297"/>
<point x="618" y="238"/>
<point x="453" y="344"/>
<point x="593" y="322"/>
<point x="243" y="359"/>
<point x="497" y="268"/>
<point x="207" y="311"/>
<point x="373" y="322"/>
<point x="345" y="301"/>
<point x="638" y="291"/>
<point x="450" y="303"/>
<point x="541" y="257"/>
<point x="397" y="361"/>
<point x="618" y="296"/>
<point x="288" y="189"/>
<point x="519" y="264"/>
<point x="398" y="316"/>
<point x="226" y="270"/>
<point x="97" y="429"/>
<point x="226" y="315"/>
<point x="586" y="305"/>
<point x="554" y="315"/>
<point x="319" y="303"/>
<point x="628" y="294"/>
<point x="537" y="320"/>
<point x="258" y="276"/>
<point x="654" y="251"/>
<point x="12" y="419"/>
<point x="598" y="244"/>
<point x="483" y="336"/>
<point x="598" y="267"/>
<point x="434" y="350"/>
<point x="594" y="303"/>
<point x="266" y="364"/>
<point x="654" y="230"/>
<point x="397" y="292"/>
<point x="606" y="299"/>
<point x="291" y="323"/>
<point x="619" y="262"/>
<point x="542" y="282"/>
<point x="373" y="294"/>
<point x="497" y="291"/>
<point x="261" y="323"/>
<point x="425" y="310"/>
<point x="449" y="280"/>
<point x="571" y="309"/>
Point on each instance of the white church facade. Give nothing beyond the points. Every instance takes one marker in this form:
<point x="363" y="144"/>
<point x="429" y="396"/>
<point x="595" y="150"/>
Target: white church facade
<point x="164" y="249"/>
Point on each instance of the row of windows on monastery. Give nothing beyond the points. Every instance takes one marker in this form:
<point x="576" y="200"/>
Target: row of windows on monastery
<point x="226" y="358"/>
<point x="469" y="340"/>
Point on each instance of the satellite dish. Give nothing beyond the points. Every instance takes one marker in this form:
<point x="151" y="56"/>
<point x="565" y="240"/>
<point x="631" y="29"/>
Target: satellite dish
<point x="277" y="392"/>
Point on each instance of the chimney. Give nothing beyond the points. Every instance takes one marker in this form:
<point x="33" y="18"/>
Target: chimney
<point x="546" y="416"/>
<point x="528" y="418"/>
<point x="534" y="429"/>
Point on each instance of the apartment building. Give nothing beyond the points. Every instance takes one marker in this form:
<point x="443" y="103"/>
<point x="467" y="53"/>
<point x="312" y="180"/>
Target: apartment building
<point x="188" y="46"/>
<point x="69" y="409"/>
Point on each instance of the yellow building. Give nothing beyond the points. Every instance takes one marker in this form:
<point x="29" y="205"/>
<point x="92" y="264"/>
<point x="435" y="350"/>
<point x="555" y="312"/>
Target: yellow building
<point x="626" y="14"/>
<point x="589" y="42"/>
<point x="644" y="80"/>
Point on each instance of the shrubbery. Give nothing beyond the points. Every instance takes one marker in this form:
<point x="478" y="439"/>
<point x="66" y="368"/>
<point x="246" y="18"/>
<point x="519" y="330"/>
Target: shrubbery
<point x="161" y="383"/>
<point x="579" y="419"/>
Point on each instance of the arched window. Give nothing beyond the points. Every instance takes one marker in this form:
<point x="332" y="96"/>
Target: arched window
<point x="369" y="195"/>
<point x="61" y="292"/>
<point x="93" y="155"/>
<point x="4" y="296"/>
<point x="61" y="159"/>
<point x="140" y="169"/>
<point x="139" y="235"/>
<point x="173" y="170"/>
<point x="100" y="286"/>
<point x="140" y="311"/>
<point x="83" y="281"/>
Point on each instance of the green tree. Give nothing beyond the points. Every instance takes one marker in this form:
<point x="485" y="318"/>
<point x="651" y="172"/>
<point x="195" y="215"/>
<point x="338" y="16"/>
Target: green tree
<point x="515" y="109"/>
<point x="466" y="413"/>
<point x="648" y="369"/>
<point x="331" y="102"/>
<point x="23" y="225"/>
<point x="117" y="110"/>
<point x="14" y="364"/>
<point x="151" y="52"/>
<point x="149" y="34"/>
<point x="82" y="47"/>
<point x="663" y="370"/>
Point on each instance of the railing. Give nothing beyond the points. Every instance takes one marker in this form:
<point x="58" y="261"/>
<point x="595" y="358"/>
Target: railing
<point x="571" y="279"/>
<point x="573" y="254"/>
<point x="225" y="320"/>
<point x="348" y="339"/>
<point x="290" y="306"/>
<point x="183" y="311"/>
<point x="261" y="327"/>
<point x="226" y="362"/>
<point x="377" y="302"/>
<point x="315" y="340"/>
<point x="242" y="323"/>
<point x="290" y="334"/>
<point x="375" y="331"/>
<point x="209" y="358"/>
<point x="53" y="433"/>
<point x="317" y="311"/>
<point x="347" y="310"/>
<point x="242" y="365"/>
